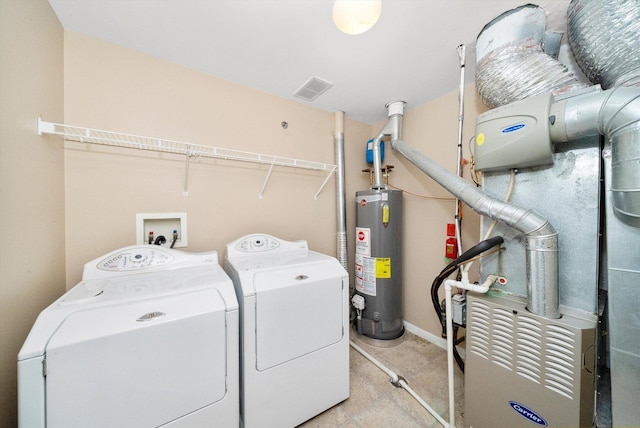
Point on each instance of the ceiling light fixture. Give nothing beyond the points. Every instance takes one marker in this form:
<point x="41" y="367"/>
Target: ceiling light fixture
<point x="356" y="16"/>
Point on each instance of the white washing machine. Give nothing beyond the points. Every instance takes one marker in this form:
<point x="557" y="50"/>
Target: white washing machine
<point x="294" y="330"/>
<point x="148" y="338"/>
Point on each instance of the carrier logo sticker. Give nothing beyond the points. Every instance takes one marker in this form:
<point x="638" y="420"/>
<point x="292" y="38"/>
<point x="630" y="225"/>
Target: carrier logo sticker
<point x="513" y="128"/>
<point x="527" y="413"/>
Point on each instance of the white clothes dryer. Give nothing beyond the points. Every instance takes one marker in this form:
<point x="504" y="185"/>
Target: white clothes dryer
<point x="294" y="330"/>
<point x="148" y="338"/>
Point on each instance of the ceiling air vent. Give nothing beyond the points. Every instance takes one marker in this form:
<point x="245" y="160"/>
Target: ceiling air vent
<point x="312" y="88"/>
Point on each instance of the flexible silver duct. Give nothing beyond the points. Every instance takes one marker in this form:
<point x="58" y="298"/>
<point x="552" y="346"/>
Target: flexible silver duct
<point x="511" y="61"/>
<point x="541" y="237"/>
<point x="614" y="113"/>
<point x="341" y="234"/>
<point x="604" y="38"/>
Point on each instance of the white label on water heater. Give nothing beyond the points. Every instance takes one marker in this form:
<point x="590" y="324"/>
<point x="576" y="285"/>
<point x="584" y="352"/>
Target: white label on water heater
<point x="363" y="241"/>
<point x="366" y="275"/>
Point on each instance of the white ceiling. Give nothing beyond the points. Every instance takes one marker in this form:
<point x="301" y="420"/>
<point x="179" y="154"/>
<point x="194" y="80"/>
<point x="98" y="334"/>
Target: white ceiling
<point x="276" y="45"/>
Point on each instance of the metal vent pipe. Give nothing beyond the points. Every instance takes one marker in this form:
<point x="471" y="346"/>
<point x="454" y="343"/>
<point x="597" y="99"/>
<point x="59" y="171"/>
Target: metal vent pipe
<point x="541" y="237"/>
<point x="341" y="234"/>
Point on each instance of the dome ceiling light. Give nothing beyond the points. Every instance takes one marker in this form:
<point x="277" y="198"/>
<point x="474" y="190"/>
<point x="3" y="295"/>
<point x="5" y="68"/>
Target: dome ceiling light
<point x="356" y="16"/>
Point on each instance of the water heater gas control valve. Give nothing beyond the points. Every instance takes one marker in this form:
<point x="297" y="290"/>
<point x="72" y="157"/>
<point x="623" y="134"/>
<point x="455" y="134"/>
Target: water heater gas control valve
<point x="358" y="301"/>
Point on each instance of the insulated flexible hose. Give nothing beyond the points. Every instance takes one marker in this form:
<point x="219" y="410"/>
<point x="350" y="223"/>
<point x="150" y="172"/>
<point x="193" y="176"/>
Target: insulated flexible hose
<point x="472" y="252"/>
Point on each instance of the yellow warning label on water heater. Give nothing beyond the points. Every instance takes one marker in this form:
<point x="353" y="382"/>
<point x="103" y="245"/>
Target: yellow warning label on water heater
<point x="383" y="268"/>
<point x="480" y="139"/>
<point x="385" y="214"/>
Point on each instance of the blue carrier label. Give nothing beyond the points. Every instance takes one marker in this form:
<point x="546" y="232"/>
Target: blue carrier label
<point x="513" y="128"/>
<point x="527" y="413"/>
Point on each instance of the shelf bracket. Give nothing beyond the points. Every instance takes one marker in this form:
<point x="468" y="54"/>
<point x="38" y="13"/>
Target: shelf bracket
<point x="45" y="127"/>
<point x="266" y="180"/>
<point x="315" y="197"/>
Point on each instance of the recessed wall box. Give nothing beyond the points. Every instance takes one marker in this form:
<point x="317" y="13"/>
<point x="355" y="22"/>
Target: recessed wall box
<point x="153" y="226"/>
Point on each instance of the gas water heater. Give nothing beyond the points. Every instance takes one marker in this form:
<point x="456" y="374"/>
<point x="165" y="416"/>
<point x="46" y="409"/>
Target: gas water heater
<point x="377" y="297"/>
<point x="378" y="275"/>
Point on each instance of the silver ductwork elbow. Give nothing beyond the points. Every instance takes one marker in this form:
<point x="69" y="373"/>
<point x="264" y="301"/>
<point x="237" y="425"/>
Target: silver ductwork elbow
<point x="512" y="43"/>
<point x="541" y="237"/>
<point x="614" y="113"/>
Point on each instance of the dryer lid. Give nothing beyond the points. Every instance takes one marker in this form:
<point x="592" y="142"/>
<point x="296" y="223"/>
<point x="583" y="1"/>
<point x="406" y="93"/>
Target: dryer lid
<point x="138" y="259"/>
<point x="299" y="310"/>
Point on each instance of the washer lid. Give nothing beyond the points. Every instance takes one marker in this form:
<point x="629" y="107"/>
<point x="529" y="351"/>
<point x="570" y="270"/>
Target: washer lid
<point x="89" y="295"/>
<point x="142" y="363"/>
<point x="144" y="259"/>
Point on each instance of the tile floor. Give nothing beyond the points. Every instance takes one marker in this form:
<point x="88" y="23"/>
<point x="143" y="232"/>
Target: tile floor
<point x="375" y="402"/>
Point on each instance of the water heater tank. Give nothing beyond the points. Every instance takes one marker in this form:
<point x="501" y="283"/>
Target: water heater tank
<point x="378" y="275"/>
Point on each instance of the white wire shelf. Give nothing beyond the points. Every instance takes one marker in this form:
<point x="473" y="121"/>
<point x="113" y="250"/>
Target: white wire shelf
<point x="190" y="150"/>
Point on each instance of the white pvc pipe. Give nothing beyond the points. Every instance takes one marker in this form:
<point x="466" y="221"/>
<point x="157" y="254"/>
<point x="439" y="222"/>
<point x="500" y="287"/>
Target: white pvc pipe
<point x="448" y="285"/>
<point x="393" y="128"/>
<point x="378" y="364"/>
<point x="452" y="412"/>
<point x="397" y="380"/>
<point x="458" y="222"/>
<point x="439" y="418"/>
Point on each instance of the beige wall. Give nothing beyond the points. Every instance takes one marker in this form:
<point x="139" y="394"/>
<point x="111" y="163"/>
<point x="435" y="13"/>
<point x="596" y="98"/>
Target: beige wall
<point x="109" y="87"/>
<point x="31" y="180"/>
<point x="93" y="210"/>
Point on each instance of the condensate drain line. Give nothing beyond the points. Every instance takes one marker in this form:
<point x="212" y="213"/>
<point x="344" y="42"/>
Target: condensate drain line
<point x="399" y="382"/>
